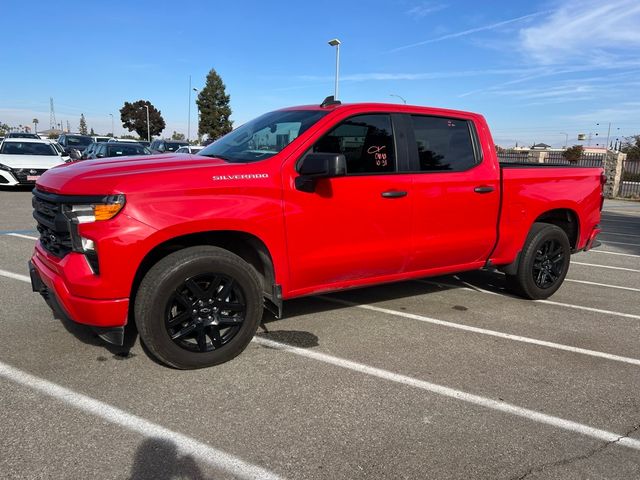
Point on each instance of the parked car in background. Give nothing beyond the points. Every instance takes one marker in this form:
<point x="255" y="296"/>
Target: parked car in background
<point x="22" y="135"/>
<point x="118" y="149"/>
<point x="23" y="160"/>
<point x="167" y="146"/>
<point x="74" y="144"/>
<point x="100" y="139"/>
<point x="192" y="149"/>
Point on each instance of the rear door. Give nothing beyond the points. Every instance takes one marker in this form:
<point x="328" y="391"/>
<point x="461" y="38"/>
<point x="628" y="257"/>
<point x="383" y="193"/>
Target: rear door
<point x="455" y="193"/>
<point x="355" y="227"/>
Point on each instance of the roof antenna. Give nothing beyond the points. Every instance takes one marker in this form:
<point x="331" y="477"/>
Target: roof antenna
<point x="330" y="100"/>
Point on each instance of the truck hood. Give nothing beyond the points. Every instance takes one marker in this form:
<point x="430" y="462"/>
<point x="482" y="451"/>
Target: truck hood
<point x="131" y="174"/>
<point x="31" y="161"/>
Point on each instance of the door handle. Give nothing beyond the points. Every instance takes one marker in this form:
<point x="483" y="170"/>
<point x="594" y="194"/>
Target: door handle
<point x="394" y="194"/>
<point x="484" y="189"/>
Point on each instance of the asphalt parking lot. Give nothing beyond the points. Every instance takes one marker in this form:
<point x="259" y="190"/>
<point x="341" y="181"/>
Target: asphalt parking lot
<point x="441" y="378"/>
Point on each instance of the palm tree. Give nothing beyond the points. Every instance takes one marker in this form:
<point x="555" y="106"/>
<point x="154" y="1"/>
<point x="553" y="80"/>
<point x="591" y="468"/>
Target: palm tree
<point x="35" y="122"/>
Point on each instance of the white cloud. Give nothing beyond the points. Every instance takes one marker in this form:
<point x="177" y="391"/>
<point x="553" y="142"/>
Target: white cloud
<point x="586" y="29"/>
<point x="426" y="8"/>
<point x="463" y="33"/>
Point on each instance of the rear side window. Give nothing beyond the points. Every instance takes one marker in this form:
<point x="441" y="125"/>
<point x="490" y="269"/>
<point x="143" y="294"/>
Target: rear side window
<point x="365" y="140"/>
<point x="444" y="144"/>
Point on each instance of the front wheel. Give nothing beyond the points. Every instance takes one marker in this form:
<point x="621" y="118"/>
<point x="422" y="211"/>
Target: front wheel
<point x="198" y="307"/>
<point x="544" y="262"/>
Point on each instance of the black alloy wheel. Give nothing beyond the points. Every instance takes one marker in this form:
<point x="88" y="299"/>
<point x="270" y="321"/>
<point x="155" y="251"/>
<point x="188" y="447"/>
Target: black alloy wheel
<point x="548" y="263"/>
<point x="543" y="262"/>
<point x="198" y="307"/>
<point x="205" y="312"/>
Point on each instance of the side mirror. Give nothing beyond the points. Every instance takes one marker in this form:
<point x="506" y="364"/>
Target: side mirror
<point x="319" y="165"/>
<point x="100" y="155"/>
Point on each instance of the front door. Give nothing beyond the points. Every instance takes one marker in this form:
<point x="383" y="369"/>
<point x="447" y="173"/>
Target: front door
<point x="354" y="227"/>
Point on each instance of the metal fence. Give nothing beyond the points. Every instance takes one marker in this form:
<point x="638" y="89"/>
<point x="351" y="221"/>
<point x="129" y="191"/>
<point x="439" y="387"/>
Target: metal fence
<point x="553" y="158"/>
<point x="630" y="181"/>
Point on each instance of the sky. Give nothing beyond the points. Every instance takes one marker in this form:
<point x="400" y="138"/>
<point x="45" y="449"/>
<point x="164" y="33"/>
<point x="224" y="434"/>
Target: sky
<point x="537" y="70"/>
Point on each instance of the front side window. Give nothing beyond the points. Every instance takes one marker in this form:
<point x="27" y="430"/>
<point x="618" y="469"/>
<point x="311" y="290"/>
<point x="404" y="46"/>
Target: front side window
<point x="366" y="141"/>
<point x="263" y="137"/>
<point x="444" y="144"/>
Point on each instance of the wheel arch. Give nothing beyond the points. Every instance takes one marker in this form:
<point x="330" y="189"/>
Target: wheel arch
<point x="246" y="245"/>
<point x="565" y="218"/>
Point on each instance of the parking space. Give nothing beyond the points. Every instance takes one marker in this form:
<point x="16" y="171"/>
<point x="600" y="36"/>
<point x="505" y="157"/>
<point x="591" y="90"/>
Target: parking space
<point x="442" y="378"/>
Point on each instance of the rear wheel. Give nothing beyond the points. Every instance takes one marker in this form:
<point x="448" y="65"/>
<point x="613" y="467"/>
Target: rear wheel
<point x="544" y="263"/>
<point x="198" y="307"/>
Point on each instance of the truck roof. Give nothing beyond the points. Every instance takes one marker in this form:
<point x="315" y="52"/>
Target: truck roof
<point x="384" y="107"/>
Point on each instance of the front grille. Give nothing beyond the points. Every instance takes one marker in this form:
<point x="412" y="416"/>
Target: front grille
<point x="22" y="174"/>
<point x="53" y="226"/>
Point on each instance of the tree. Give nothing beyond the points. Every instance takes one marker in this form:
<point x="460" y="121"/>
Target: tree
<point x="52" y="135"/>
<point x="573" y="154"/>
<point x="631" y="146"/>
<point x="213" y="105"/>
<point x="4" y="128"/>
<point x="177" y="136"/>
<point x="35" y="122"/>
<point x="83" y="125"/>
<point x="134" y="118"/>
<point x="92" y="133"/>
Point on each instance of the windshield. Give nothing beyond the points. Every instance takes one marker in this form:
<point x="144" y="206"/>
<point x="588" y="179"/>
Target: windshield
<point x="27" y="148"/>
<point x="263" y="137"/>
<point x="78" y="141"/>
<point x="127" y="149"/>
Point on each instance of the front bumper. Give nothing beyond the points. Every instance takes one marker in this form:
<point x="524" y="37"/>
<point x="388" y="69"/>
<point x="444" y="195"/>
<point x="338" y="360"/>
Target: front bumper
<point x="104" y="315"/>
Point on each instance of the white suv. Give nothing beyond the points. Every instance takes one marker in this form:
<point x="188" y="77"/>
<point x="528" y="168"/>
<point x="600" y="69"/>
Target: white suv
<point x="23" y="160"/>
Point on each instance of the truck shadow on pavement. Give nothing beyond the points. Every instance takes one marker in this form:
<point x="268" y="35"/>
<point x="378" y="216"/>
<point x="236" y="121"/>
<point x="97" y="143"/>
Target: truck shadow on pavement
<point x="159" y="459"/>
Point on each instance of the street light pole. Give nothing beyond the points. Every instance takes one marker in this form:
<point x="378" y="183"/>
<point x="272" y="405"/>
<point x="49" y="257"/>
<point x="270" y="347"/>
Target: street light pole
<point x="401" y="98"/>
<point x="189" y="120"/>
<point x="113" y="134"/>
<point x="608" y="134"/>
<point x="148" y="126"/>
<point x="566" y="139"/>
<point x="336" y="43"/>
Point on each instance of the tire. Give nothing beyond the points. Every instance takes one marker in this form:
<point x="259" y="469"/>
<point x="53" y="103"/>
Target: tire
<point x="198" y="307"/>
<point x="544" y="263"/>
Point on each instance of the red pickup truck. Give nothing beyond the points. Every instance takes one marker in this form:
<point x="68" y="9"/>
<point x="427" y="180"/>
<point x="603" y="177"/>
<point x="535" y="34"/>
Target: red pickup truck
<point x="297" y="202"/>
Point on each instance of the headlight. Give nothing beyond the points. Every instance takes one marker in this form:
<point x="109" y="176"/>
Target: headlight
<point x="4" y="167"/>
<point x="95" y="212"/>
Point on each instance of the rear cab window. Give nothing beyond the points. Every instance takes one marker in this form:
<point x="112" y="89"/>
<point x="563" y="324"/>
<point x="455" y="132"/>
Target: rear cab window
<point x="444" y="144"/>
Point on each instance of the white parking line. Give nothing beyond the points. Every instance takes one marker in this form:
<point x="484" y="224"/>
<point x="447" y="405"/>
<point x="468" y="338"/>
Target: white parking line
<point x="609" y="242"/>
<point x="15" y="276"/>
<point x="620" y="287"/>
<point x="187" y="445"/>
<point x="619" y="234"/>
<point x="460" y="395"/>
<point x="605" y="266"/>
<point x="559" y="304"/>
<point x="484" y="331"/>
<point x="613" y="253"/>
<point x="20" y="235"/>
